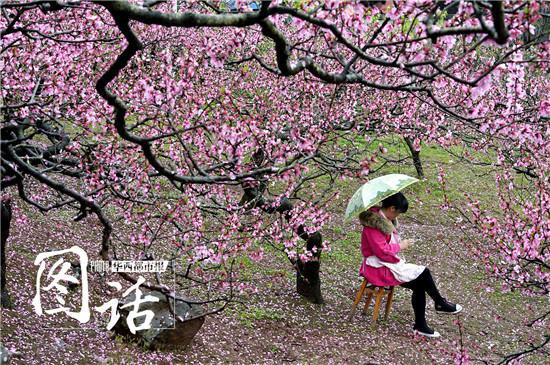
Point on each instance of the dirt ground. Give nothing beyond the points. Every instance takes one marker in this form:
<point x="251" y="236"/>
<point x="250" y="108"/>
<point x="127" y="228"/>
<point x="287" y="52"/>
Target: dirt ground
<point x="276" y="326"/>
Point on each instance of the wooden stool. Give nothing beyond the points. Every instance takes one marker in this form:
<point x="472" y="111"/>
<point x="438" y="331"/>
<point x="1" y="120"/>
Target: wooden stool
<point x="378" y="292"/>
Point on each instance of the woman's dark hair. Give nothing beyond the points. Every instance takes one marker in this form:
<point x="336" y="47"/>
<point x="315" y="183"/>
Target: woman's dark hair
<point x="398" y="201"/>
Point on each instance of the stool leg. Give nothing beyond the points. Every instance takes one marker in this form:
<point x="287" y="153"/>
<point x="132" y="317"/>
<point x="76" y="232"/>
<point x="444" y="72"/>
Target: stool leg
<point x="389" y="303"/>
<point x="358" y="298"/>
<point x="370" y="293"/>
<point x="379" y="295"/>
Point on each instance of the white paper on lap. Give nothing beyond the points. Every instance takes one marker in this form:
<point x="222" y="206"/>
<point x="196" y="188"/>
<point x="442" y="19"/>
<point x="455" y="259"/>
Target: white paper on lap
<point x="403" y="271"/>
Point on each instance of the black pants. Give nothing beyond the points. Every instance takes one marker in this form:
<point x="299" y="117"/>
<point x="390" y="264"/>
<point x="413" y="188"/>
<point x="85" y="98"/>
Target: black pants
<point x="423" y="284"/>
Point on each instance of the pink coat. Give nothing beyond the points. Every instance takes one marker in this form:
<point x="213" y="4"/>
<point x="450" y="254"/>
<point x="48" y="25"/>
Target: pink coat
<point x="375" y="241"/>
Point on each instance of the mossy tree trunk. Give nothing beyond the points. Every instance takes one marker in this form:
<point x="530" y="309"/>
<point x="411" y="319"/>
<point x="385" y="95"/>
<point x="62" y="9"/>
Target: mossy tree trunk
<point x="5" y="232"/>
<point x="416" y="158"/>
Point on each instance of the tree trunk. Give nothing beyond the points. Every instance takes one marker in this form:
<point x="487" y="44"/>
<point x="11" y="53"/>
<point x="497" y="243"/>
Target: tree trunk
<point x="5" y="232"/>
<point x="308" y="282"/>
<point x="416" y="158"/>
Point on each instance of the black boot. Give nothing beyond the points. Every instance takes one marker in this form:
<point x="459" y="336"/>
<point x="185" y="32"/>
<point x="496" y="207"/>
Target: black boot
<point x="444" y="306"/>
<point x="424" y="330"/>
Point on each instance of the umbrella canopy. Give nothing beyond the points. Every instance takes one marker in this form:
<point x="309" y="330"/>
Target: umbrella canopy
<point x="376" y="190"/>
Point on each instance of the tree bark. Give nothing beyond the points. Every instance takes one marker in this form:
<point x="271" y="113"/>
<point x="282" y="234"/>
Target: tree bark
<point x="5" y="232"/>
<point x="416" y="158"/>
<point x="308" y="282"/>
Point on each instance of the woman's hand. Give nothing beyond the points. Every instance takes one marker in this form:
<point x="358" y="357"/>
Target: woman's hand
<point x="405" y="243"/>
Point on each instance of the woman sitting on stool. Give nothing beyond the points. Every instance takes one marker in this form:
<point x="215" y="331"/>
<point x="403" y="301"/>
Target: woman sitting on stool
<point x="381" y="266"/>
